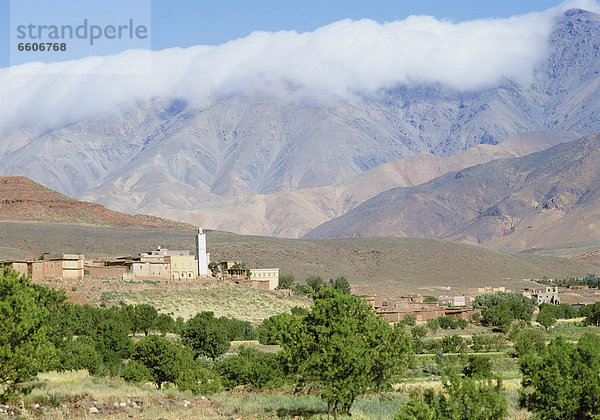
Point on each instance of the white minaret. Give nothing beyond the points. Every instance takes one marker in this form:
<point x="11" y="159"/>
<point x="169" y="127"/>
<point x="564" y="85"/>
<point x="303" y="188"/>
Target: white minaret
<point x="201" y="256"/>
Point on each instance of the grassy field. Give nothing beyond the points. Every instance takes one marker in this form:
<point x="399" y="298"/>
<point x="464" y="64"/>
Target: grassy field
<point x="69" y="395"/>
<point x="393" y="266"/>
<point x="242" y="303"/>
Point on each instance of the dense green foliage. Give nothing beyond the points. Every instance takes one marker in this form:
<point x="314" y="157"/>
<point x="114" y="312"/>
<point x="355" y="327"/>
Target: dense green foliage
<point x="500" y="309"/>
<point x="342" y="348"/>
<point x="593" y="314"/>
<point x="564" y="382"/>
<point x="285" y="281"/>
<point x="488" y="342"/>
<point x="462" y="399"/>
<point x="546" y="317"/>
<point x="25" y="346"/>
<point x="203" y="335"/>
<point x="252" y="367"/>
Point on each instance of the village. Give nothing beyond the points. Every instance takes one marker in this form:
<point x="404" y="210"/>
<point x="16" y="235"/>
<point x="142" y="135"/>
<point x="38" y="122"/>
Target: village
<point x="178" y="266"/>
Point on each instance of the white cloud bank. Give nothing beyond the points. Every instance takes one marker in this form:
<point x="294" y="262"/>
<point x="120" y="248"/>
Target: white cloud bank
<point x="344" y="58"/>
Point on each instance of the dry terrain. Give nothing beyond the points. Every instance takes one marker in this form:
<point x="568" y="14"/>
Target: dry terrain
<point x="393" y="265"/>
<point x="21" y="199"/>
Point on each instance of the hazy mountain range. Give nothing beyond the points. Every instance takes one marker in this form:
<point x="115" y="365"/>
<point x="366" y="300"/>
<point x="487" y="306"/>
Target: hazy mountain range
<point x="256" y="163"/>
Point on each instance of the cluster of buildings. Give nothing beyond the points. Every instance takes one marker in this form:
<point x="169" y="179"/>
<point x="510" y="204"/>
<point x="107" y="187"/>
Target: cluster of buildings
<point x="52" y="266"/>
<point x="161" y="264"/>
<point x="456" y="307"/>
<point x="416" y="306"/>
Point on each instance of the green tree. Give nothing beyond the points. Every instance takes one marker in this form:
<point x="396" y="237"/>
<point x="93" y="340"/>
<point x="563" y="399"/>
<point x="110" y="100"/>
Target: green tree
<point x="80" y="354"/>
<point x="314" y="284"/>
<point x="478" y="367"/>
<point x="112" y="341"/>
<point x="529" y="341"/>
<point x="286" y="281"/>
<point x="164" y="323"/>
<point x="203" y="335"/>
<point x="270" y="331"/>
<point x="136" y="372"/>
<point x="593" y="316"/>
<point x="143" y="318"/>
<point x="500" y="309"/>
<point x="344" y="349"/>
<point x="25" y="348"/>
<point x="433" y="324"/>
<point x="430" y="299"/>
<point x="462" y="399"/>
<point x="546" y="317"/>
<point x="409" y="320"/>
<point x="418" y="332"/>
<point x="252" y="367"/>
<point x="340" y="283"/>
<point x="214" y="269"/>
<point x="453" y="344"/>
<point x="563" y="383"/>
<point x="162" y="358"/>
<point x="447" y="323"/>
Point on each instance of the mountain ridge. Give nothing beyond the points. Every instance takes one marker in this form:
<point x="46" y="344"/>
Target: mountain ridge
<point x="169" y="158"/>
<point x="547" y="197"/>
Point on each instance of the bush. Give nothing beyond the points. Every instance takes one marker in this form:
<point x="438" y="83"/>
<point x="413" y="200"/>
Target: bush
<point x="462" y="323"/>
<point x="286" y="281"/>
<point x="453" y="344"/>
<point x="488" y="342"/>
<point x="409" y="320"/>
<point x="462" y="399"/>
<point x="447" y="323"/>
<point x="203" y="334"/>
<point x="529" y="341"/>
<point x="251" y="367"/>
<point x="136" y="372"/>
<point x="25" y="347"/>
<point x="418" y="332"/>
<point x="433" y="325"/>
<point x="80" y="354"/>
<point x="478" y="367"/>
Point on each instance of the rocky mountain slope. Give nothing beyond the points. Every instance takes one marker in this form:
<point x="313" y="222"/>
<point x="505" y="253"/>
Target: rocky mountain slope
<point x="548" y="197"/>
<point x="205" y="164"/>
<point x="22" y="200"/>
<point x="295" y="213"/>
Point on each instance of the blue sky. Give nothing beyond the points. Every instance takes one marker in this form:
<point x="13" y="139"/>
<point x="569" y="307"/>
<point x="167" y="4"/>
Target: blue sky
<point x="192" y="22"/>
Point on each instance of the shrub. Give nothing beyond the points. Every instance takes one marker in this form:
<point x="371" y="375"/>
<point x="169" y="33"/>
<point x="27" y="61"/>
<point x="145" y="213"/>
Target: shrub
<point x="529" y="341"/>
<point x="418" y="332"/>
<point x="488" y="342"/>
<point x="251" y="367"/>
<point x="453" y="344"/>
<point x="136" y="372"/>
<point x="447" y="323"/>
<point x="478" y="367"/>
<point x="203" y="335"/>
<point x="433" y="325"/>
<point x="286" y="281"/>
<point x="462" y="399"/>
<point x="462" y="323"/>
<point x="80" y="354"/>
<point x="25" y="348"/>
<point x="409" y="320"/>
